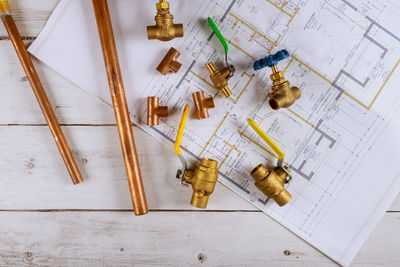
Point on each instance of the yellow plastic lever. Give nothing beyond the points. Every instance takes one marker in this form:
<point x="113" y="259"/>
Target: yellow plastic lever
<point x="180" y="131"/>
<point x="266" y="138"/>
<point x="4" y="7"/>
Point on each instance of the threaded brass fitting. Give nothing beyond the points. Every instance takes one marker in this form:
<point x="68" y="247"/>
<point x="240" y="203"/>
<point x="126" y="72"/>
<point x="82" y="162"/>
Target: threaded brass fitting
<point x="203" y="180"/>
<point x="220" y="79"/>
<point x="282" y="96"/>
<point x="165" y="29"/>
<point x="272" y="183"/>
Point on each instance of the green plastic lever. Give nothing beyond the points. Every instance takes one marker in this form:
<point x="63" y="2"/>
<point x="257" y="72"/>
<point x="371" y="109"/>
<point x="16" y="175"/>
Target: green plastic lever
<point x="219" y="35"/>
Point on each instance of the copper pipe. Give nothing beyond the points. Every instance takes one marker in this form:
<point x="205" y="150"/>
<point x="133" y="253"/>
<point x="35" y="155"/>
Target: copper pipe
<point x="41" y="97"/>
<point x="120" y="106"/>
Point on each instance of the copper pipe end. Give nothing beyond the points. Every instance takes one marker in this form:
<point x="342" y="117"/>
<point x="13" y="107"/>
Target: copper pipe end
<point x="202" y="104"/>
<point x="155" y="111"/>
<point x="170" y="62"/>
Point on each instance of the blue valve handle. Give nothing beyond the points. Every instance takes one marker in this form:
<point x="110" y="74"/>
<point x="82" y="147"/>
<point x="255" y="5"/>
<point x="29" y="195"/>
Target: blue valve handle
<point x="271" y="60"/>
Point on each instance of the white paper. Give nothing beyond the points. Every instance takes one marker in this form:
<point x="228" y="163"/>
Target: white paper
<point x="340" y="138"/>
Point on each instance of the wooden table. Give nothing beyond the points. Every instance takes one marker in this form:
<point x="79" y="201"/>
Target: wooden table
<point x="45" y="220"/>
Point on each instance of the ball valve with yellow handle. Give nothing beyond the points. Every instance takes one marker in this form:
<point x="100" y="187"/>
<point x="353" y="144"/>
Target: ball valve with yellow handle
<point x="165" y="29"/>
<point x="283" y="95"/>
<point x="220" y="78"/>
<point x="271" y="181"/>
<point x="203" y="178"/>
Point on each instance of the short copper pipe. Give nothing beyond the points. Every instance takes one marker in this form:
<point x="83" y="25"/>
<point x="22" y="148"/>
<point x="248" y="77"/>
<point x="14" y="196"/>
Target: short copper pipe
<point x="202" y="104"/>
<point x="120" y="106"/>
<point x="170" y="62"/>
<point x="155" y="111"/>
<point x="41" y="97"/>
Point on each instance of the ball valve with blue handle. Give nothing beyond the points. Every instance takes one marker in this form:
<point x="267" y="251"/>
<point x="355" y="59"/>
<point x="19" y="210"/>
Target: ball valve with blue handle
<point x="282" y="95"/>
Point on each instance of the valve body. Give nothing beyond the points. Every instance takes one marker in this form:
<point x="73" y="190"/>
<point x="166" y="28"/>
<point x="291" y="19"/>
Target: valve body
<point x="220" y="79"/>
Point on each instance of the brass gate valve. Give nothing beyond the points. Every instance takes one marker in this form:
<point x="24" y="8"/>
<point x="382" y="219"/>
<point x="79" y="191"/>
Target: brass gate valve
<point x="165" y="29"/>
<point x="155" y="111"/>
<point x="203" y="178"/>
<point x="170" y="62"/>
<point x="271" y="181"/>
<point x="202" y="104"/>
<point x="282" y="95"/>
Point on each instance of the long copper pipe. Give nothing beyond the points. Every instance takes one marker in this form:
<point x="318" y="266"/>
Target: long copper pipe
<point x="120" y="106"/>
<point x="40" y="95"/>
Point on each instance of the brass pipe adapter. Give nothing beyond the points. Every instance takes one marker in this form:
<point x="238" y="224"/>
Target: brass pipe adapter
<point x="203" y="180"/>
<point x="165" y="29"/>
<point x="170" y="62"/>
<point x="202" y="104"/>
<point x="220" y="79"/>
<point x="155" y="111"/>
<point x="283" y="95"/>
<point x="272" y="183"/>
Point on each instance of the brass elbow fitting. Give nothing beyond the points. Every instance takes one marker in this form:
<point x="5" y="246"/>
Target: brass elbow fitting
<point x="165" y="29"/>
<point x="203" y="180"/>
<point x="155" y="111"/>
<point x="220" y="79"/>
<point x="202" y="104"/>
<point x="170" y="62"/>
<point x="282" y="96"/>
<point x="272" y="183"/>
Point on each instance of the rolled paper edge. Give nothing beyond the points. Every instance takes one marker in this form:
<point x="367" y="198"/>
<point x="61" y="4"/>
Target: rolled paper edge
<point x="4" y="8"/>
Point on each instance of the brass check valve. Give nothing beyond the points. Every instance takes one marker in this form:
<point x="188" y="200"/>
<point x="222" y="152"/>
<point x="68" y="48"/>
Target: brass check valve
<point x="165" y="29"/>
<point x="202" y="104"/>
<point x="170" y="62"/>
<point x="155" y="111"/>
<point x="282" y="95"/>
<point x="271" y="181"/>
<point x="205" y="176"/>
<point x="220" y="79"/>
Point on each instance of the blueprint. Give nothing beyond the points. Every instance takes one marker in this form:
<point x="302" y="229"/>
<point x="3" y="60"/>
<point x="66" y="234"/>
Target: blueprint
<point x="340" y="138"/>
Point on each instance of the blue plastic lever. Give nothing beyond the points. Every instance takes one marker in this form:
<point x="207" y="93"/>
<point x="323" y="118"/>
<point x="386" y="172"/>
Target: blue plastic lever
<point x="271" y="60"/>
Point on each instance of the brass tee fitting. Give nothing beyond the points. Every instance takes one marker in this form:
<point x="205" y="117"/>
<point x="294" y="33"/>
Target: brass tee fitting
<point x="203" y="180"/>
<point x="165" y="29"/>
<point x="155" y="111"/>
<point x="202" y="104"/>
<point x="170" y="62"/>
<point x="272" y="183"/>
<point x="282" y="96"/>
<point x="220" y="79"/>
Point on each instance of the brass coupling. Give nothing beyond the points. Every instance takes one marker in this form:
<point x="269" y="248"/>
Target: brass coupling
<point x="202" y="104"/>
<point x="155" y="111"/>
<point x="272" y="183"/>
<point x="165" y="29"/>
<point x="170" y="62"/>
<point x="283" y="95"/>
<point x="220" y="79"/>
<point x="203" y="180"/>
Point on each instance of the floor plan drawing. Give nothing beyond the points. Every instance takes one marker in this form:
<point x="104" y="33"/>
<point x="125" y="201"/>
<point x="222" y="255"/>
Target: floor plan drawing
<point x="345" y="59"/>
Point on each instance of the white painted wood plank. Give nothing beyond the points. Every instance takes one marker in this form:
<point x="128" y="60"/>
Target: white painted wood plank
<point x="33" y="175"/>
<point x="171" y="239"/>
<point x="30" y="15"/>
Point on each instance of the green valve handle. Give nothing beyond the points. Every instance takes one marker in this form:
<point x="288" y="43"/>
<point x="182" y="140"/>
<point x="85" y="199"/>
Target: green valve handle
<point x="219" y="35"/>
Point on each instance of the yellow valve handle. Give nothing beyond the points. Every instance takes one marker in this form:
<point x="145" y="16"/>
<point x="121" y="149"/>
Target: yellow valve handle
<point x="178" y="140"/>
<point x="267" y="139"/>
<point x="4" y="7"/>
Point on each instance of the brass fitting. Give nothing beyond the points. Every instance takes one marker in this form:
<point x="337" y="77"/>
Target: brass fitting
<point x="170" y="62"/>
<point x="165" y="29"/>
<point x="272" y="183"/>
<point x="282" y="96"/>
<point x="155" y="111"/>
<point x="203" y="180"/>
<point x="220" y="79"/>
<point x="202" y="104"/>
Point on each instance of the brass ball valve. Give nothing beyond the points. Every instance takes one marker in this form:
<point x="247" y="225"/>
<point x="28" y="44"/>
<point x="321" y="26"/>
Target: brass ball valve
<point x="271" y="181"/>
<point x="283" y="95"/>
<point x="165" y="29"/>
<point x="203" y="178"/>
